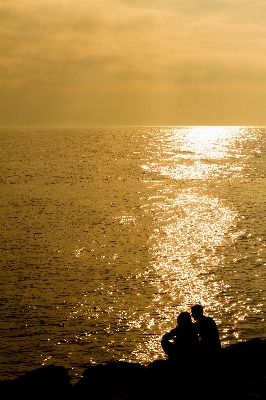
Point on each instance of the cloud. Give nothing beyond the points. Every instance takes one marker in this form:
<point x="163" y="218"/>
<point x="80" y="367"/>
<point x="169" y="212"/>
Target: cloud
<point x="67" y="48"/>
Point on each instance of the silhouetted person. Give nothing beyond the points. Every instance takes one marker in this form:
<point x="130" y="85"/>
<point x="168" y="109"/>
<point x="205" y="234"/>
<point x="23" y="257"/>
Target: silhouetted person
<point x="209" y="342"/>
<point x="184" y="337"/>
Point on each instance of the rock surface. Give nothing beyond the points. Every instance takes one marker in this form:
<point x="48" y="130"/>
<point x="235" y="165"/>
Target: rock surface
<point x="238" y="372"/>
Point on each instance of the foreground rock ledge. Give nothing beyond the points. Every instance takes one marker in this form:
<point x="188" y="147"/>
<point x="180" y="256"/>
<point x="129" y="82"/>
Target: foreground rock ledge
<point x="238" y="373"/>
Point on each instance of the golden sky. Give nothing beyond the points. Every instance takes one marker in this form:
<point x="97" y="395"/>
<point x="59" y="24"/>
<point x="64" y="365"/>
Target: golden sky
<point x="132" y="62"/>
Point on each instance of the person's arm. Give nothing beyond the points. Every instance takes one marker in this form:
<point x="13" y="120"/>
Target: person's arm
<point x="170" y="335"/>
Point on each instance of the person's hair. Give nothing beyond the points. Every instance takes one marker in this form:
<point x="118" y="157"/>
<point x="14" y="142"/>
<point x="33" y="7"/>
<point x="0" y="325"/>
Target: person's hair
<point x="184" y="318"/>
<point x="197" y="310"/>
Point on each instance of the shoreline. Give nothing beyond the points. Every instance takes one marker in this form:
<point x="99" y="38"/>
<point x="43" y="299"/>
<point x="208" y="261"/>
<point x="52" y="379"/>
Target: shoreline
<point x="238" y="372"/>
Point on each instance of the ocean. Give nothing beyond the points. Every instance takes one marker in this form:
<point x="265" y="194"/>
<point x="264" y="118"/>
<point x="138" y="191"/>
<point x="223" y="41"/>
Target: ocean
<point x="109" y="233"/>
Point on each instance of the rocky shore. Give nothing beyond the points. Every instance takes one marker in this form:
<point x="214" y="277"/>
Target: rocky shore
<point x="237" y="373"/>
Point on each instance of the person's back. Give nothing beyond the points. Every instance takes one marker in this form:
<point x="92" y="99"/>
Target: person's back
<point x="206" y="328"/>
<point x="186" y="339"/>
<point x="184" y="336"/>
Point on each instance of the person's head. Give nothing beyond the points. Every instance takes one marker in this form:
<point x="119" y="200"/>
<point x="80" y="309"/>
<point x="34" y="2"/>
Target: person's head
<point x="184" y="318"/>
<point x="197" y="311"/>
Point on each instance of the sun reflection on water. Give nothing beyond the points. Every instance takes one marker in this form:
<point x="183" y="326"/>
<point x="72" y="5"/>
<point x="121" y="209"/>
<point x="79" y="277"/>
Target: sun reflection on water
<point x="185" y="261"/>
<point x="209" y="142"/>
<point x="190" y="225"/>
<point x="199" y="153"/>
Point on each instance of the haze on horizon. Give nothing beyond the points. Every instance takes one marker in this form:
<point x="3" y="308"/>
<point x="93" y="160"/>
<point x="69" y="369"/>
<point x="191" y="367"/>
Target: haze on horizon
<point x="132" y="62"/>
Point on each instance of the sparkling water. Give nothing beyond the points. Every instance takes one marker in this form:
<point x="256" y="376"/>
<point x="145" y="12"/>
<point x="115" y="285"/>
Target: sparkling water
<point x="107" y="234"/>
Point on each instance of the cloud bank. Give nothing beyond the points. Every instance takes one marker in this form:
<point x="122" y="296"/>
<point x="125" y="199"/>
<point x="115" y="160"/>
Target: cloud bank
<point x="133" y="62"/>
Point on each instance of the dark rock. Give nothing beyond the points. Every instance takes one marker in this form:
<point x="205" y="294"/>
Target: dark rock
<point x="188" y="377"/>
<point x="111" y="379"/>
<point x="243" y="366"/>
<point x="253" y="390"/>
<point x="48" y="381"/>
<point x="237" y="373"/>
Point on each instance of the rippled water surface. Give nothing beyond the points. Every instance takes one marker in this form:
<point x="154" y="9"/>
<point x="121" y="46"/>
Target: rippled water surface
<point x="107" y="234"/>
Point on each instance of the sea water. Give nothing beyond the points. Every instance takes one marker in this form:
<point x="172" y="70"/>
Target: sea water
<point x="108" y="233"/>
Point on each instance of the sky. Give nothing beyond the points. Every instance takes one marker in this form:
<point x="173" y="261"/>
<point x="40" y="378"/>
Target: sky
<point x="76" y="63"/>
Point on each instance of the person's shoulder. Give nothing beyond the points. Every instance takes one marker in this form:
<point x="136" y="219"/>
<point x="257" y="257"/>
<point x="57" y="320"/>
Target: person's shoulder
<point x="206" y="321"/>
<point x="206" y="318"/>
<point x="175" y="330"/>
<point x="210" y="322"/>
